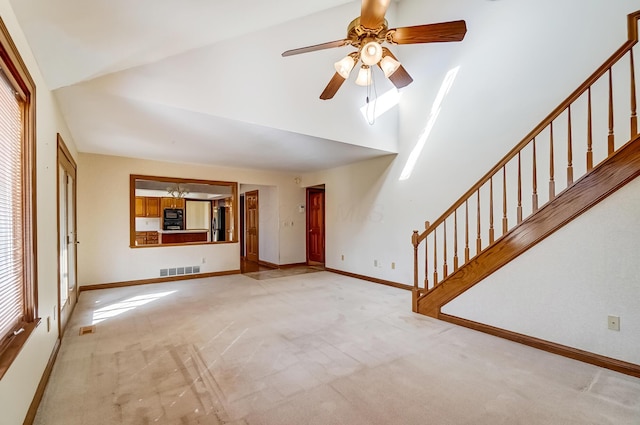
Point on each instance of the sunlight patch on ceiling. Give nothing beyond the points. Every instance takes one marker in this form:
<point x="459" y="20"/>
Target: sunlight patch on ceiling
<point x="372" y="110"/>
<point x="433" y="116"/>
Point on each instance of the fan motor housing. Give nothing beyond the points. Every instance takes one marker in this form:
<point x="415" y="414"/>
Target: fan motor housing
<point x="357" y="33"/>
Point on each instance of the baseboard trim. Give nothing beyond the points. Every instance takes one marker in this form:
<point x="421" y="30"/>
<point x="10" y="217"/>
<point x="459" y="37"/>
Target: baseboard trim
<point x="42" y="385"/>
<point x="371" y="279"/>
<point x="551" y="347"/>
<point x="291" y="265"/>
<point x="156" y="280"/>
<point x="268" y="264"/>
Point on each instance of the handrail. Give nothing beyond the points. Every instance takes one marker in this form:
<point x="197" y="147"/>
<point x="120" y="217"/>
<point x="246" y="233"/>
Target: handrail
<point x="473" y="195"/>
<point x="599" y="73"/>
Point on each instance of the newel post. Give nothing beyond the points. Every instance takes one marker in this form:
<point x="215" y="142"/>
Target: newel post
<point x="415" y="291"/>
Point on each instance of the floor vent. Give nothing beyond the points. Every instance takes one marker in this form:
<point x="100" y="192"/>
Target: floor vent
<point x="84" y="330"/>
<point x="177" y="271"/>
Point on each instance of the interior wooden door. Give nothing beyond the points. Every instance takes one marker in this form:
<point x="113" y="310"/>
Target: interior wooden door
<point x="67" y="254"/>
<point x="315" y="225"/>
<point x="251" y="225"/>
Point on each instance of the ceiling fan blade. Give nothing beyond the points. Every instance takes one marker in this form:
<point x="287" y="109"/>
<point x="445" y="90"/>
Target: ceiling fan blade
<point x="372" y="13"/>
<point x="329" y="45"/>
<point x="332" y="87"/>
<point x="401" y="77"/>
<point x="430" y="33"/>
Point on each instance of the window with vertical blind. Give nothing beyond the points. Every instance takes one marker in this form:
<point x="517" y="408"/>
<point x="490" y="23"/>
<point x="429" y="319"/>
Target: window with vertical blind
<point x="18" y="294"/>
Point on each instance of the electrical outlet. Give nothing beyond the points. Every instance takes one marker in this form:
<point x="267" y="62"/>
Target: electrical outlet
<point x="393" y="266"/>
<point x="48" y="323"/>
<point x="204" y="260"/>
<point x="375" y="263"/>
<point x="614" y="323"/>
<point x="342" y="257"/>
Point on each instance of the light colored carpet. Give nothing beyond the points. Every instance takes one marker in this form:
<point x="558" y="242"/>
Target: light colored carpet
<point x="316" y="348"/>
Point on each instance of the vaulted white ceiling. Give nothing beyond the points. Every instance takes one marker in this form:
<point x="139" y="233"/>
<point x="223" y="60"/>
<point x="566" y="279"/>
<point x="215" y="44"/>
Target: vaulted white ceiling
<point x="203" y="81"/>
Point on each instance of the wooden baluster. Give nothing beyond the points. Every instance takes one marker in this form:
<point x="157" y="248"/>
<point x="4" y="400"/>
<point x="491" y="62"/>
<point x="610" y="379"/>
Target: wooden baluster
<point x="478" y="240"/>
<point x="534" y="196"/>
<point x="466" y="232"/>
<point x="414" y="241"/>
<point x="426" y="258"/>
<point x="505" y="223"/>
<point x="435" y="257"/>
<point x="589" y="133"/>
<point x="519" y="210"/>
<point x="634" y="116"/>
<point x="445" y="268"/>
<point x="611" y="136"/>
<point x="552" y="182"/>
<point x="569" y="149"/>
<point x="455" y="240"/>
<point x="491" y="231"/>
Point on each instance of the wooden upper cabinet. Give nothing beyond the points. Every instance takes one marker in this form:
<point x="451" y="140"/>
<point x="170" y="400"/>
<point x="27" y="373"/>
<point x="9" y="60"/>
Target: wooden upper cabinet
<point x="147" y="207"/>
<point x="141" y="207"/>
<point x="172" y="203"/>
<point x="153" y="207"/>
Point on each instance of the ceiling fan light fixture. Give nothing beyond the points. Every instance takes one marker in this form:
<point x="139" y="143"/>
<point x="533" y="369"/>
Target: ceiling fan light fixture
<point x="371" y="53"/>
<point x="389" y="65"/>
<point x="344" y="66"/>
<point x="364" y="76"/>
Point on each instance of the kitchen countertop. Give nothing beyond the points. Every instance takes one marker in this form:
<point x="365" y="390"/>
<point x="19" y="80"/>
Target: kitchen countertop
<point x="184" y="231"/>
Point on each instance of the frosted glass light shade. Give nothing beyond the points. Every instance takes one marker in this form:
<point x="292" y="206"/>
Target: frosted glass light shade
<point x="389" y="65"/>
<point x="344" y="66"/>
<point x="371" y="53"/>
<point x="364" y="76"/>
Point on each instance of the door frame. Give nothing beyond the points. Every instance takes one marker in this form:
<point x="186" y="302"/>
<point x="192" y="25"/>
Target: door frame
<point x="315" y="189"/>
<point x="243" y="249"/>
<point x="246" y="226"/>
<point x="65" y="159"/>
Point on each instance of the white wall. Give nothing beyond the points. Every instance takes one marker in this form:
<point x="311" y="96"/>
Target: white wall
<point x="18" y="386"/>
<point x="518" y="61"/>
<point x="563" y="289"/>
<point x="104" y="255"/>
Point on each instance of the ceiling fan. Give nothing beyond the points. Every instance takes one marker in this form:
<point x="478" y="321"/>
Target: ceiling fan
<point x="367" y="33"/>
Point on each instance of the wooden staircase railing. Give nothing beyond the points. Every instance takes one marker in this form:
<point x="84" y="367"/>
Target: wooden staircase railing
<point x="471" y="222"/>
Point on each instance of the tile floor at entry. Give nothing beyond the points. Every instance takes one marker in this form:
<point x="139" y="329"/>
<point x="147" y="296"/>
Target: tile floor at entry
<point x="315" y="348"/>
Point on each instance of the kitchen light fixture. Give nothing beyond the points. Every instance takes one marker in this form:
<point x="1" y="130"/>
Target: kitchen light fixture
<point x="177" y="191"/>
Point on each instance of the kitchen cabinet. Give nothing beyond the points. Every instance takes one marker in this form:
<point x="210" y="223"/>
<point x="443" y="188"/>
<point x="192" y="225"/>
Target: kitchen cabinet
<point x="147" y="206"/>
<point x="147" y="238"/>
<point x="172" y="203"/>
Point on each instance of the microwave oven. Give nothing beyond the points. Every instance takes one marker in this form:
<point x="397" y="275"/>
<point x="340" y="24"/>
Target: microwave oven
<point x="173" y="214"/>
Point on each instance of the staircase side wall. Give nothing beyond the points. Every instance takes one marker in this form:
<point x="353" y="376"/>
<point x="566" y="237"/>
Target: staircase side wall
<point x="563" y="289"/>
